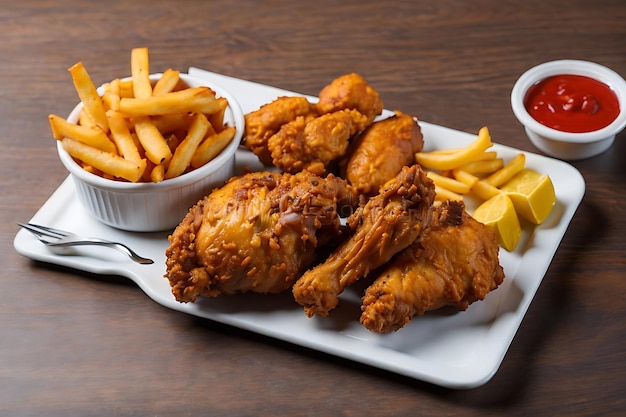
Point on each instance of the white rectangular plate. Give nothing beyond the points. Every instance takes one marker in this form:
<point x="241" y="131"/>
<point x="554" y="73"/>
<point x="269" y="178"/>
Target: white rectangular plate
<point x="457" y="350"/>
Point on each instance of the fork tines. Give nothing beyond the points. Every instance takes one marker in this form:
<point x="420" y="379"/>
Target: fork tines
<point x="42" y="230"/>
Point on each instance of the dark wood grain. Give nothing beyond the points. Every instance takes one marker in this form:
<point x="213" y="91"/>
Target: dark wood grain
<point x="75" y="344"/>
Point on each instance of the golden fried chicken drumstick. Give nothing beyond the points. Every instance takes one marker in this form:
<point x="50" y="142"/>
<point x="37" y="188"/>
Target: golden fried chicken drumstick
<point x="378" y="153"/>
<point x="257" y="233"/>
<point x="388" y="223"/>
<point x="453" y="263"/>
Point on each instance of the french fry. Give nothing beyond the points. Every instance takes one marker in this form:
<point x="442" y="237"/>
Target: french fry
<point x="217" y="118"/>
<point x="483" y="167"/>
<point x="197" y="99"/>
<point x="167" y="83"/>
<point x="85" y="119"/>
<point x="152" y="140"/>
<point x="449" y="184"/>
<point x="443" y="194"/>
<point x="96" y="138"/>
<point x="212" y="146"/>
<point x="126" y="88"/>
<point x="486" y="156"/>
<point x="437" y="161"/>
<point x="481" y="188"/>
<point x="504" y="174"/>
<point x="89" y="95"/>
<point x="465" y="177"/>
<point x="483" y="156"/>
<point x="122" y="137"/>
<point x="484" y="190"/>
<point x="106" y="162"/>
<point x="158" y="173"/>
<point x="111" y="96"/>
<point x="140" y="72"/>
<point x="186" y="149"/>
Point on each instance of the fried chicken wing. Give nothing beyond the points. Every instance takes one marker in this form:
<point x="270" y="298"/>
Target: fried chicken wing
<point x="350" y="91"/>
<point x="263" y="123"/>
<point x="257" y="233"/>
<point x="453" y="263"/>
<point x="385" y="225"/>
<point x="377" y="154"/>
<point x="313" y="144"/>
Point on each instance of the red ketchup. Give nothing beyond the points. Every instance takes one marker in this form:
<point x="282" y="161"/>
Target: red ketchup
<point x="572" y="103"/>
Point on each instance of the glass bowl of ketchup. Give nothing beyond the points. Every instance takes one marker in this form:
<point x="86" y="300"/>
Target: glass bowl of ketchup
<point x="570" y="109"/>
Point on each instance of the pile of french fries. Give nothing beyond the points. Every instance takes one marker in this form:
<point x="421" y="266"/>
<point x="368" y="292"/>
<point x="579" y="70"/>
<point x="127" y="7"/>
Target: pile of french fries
<point x="470" y="169"/>
<point x="139" y="131"/>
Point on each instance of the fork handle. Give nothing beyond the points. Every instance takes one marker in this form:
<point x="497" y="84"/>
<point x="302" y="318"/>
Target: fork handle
<point x="113" y="245"/>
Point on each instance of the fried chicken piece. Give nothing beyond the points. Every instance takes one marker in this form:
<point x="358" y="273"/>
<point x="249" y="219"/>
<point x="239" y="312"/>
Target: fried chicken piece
<point x="257" y="233"/>
<point x="296" y="145"/>
<point x="263" y="123"/>
<point x="385" y="225"/>
<point x="454" y="263"/>
<point x="377" y="154"/>
<point x="350" y="91"/>
<point x="314" y="143"/>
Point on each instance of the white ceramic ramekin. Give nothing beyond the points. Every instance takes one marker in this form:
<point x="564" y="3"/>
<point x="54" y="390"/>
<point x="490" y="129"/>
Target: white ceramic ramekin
<point x="151" y="207"/>
<point x="565" y="145"/>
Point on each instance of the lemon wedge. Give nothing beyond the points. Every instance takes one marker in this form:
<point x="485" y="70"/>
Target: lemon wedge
<point x="532" y="195"/>
<point x="498" y="213"/>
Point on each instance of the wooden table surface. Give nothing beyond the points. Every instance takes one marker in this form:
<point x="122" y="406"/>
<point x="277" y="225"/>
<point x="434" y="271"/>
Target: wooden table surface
<point x="76" y="344"/>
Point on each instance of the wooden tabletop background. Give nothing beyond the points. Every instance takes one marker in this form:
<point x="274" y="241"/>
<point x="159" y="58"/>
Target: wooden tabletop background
<point x="76" y="344"/>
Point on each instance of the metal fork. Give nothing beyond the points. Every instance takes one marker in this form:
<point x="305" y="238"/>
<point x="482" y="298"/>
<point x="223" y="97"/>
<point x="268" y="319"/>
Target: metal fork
<point x="60" y="238"/>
